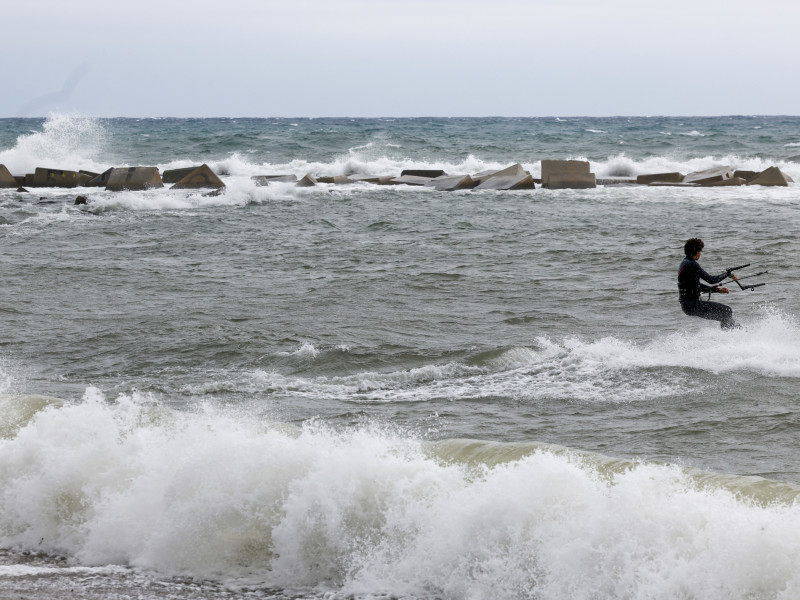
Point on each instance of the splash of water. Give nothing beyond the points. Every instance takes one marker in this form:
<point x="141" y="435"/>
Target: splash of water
<point x="65" y="142"/>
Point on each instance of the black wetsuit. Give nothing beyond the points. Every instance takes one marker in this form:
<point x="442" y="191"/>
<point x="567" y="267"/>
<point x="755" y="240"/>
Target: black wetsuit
<point x="689" y="288"/>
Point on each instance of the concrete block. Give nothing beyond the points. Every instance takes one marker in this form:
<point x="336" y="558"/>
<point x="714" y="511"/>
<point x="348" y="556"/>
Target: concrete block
<point x="746" y="175"/>
<point x="28" y="180"/>
<point x="20" y="179"/>
<point x="771" y="176"/>
<point x="134" y="179"/>
<point x="7" y="180"/>
<point x="483" y="175"/>
<point x="343" y="179"/>
<point x="574" y="181"/>
<point x="377" y="179"/>
<point x="54" y="178"/>
<point x="381" y="180"/>
<point x="262" y="180"/>
<point x="733" y="181"/>
<point x="551" y="167"/>
<point x="85" y="177"/>
<point x="514" y="170"/>
<point x="509" y="182"/>
<point x="564" y="174"/>
<point x="432" y="173"/>
<point x="673" y="177"/>
<point x="101" y="180"/>
<point x="709" y="175"/>
<point x="202" y="177"/>
<point x="175" y="175"/>
<point x="307" y="181"/>
<point x="451" y="183"/>
<point x="411" y="180"/>
<point x="672" y="184"/>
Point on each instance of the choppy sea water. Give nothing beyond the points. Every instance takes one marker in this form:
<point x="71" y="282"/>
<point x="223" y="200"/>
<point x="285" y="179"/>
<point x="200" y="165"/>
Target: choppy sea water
<point x="364" y="391"/>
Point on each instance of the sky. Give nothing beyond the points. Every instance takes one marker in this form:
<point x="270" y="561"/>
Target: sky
<point x="388" y="58"/>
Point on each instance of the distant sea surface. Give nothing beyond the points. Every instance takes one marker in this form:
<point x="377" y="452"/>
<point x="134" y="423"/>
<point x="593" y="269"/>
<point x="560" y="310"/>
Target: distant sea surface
<point x="368" y="391"/>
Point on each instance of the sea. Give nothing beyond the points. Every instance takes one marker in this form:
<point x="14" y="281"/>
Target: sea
<point x="369" y="392"/>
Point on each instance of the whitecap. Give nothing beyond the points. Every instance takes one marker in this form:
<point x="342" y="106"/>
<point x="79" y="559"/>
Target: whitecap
<point x="370" y="511"/>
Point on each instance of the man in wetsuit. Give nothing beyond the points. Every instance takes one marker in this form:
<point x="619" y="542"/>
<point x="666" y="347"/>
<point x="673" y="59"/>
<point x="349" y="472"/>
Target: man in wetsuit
<point x="689" y="287"/>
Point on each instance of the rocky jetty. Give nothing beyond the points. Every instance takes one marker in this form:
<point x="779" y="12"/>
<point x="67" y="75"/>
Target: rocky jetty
<point x="556" y="175"/>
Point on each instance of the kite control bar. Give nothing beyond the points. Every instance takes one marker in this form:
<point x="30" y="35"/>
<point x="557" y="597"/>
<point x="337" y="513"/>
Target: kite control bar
<point x="732" y="269"/>
<point x="751" y="286"/>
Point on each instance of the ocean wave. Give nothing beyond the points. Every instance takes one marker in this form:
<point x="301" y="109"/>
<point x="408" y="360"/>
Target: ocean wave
<point x="65" y="142"/>
<point x="618" y="165"/>
<point x="223" y="496"/>
<point x="369" y="160"/>
<point x="72" y="142"/>
<point x="306" y="350"/>
<point x="570" y="369"/>
<point x="17" y="410"/>
<point x="156" y="200"/>
<point x="621" y="165"/>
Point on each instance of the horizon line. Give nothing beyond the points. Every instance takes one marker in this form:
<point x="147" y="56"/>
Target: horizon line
<point x="311" y="118"/>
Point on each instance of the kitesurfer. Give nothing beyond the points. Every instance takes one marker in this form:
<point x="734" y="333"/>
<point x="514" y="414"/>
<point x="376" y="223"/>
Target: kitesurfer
<point x="689" y="287"/>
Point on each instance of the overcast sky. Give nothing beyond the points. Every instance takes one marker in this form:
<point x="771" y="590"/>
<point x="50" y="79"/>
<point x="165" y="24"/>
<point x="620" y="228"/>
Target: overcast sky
<point x="371" y="58"/>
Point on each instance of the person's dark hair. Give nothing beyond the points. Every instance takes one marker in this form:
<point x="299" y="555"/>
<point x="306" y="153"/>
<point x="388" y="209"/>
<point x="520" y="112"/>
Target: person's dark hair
<point x="693" y="246"/>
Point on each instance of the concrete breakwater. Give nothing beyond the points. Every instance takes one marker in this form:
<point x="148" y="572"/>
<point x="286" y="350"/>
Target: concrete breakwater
<point x="555" y="174"/>
<point x="115" y="179"/>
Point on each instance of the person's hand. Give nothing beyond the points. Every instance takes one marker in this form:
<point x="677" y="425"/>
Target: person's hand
<point x="733" y="276"/>
<point x="723" y="290"/>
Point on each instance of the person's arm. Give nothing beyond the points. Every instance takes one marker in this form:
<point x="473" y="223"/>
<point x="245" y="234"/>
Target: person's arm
<point x="710" y="278"/>
<point x="713" y="290"/>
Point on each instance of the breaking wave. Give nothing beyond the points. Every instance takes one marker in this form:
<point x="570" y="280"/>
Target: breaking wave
<point x="367" y="511"/>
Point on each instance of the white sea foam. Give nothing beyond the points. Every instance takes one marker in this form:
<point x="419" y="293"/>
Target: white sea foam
<point x="371" y="163"/>
<point x="368" y="512"/>
<point x="617" y="165"/>
<point x="38" y="571"/>
<point x="370" y="159"/>
<point x="65" y="142"/>
<point x="611" y="369"/>
<point x="606" y="370"/>
<point x="238" y="193"/>
<point x="306" y="350"/>
<point x="623" y="165"/>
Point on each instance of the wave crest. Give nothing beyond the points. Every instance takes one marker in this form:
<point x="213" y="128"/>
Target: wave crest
<point x="65" y="142"/>
<point x="227" y="497"/>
